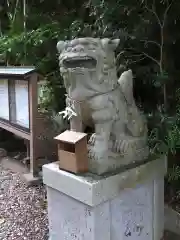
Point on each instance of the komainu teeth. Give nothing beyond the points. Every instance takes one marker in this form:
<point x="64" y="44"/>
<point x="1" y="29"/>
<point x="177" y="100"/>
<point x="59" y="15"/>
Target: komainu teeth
<point x="78" y="58"/>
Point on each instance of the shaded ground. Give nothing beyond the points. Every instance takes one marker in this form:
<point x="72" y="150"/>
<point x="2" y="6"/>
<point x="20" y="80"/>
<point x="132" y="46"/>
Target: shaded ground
<point x="23" y="213"/>
<point x="170" y="236"/>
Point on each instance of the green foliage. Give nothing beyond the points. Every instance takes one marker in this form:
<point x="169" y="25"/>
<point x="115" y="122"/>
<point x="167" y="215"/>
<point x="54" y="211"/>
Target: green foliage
<point x="174" y="174"/>
<point x="165" y="137"/>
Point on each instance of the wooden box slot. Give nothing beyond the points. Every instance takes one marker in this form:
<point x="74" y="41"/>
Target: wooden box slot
<point x="72" y="151"/>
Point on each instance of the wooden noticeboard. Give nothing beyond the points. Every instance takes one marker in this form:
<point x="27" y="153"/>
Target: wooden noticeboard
<point x="19" y="112"/>
<point x="4" y="100"/>
<point x="21" y="103"/>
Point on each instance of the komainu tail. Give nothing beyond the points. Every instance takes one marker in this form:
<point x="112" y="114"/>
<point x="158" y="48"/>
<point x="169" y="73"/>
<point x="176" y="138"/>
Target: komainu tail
<point x="126" y="83"/>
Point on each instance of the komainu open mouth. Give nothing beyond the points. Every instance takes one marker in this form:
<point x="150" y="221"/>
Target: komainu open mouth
<point x="80" y="62"/>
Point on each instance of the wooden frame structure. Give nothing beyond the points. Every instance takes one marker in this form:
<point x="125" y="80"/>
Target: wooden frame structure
<point x="35" y="131"/>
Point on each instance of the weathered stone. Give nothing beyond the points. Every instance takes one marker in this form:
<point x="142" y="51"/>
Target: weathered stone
<point x="98" y="99"/>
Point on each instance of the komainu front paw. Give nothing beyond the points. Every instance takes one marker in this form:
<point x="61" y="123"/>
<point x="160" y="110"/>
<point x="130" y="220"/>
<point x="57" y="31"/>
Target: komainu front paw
<point x="91" y="153"/>
<point x="121" y="146"/>
<point x="125" y="146"/>
<point x="94" y="154"/>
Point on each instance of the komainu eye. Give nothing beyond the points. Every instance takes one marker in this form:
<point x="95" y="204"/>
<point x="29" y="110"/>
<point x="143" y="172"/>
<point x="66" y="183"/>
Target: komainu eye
<point x="68" y="48"/>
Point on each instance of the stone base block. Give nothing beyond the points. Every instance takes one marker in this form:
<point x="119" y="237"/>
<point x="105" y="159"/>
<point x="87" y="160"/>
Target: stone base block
<point x="125" y="206"/>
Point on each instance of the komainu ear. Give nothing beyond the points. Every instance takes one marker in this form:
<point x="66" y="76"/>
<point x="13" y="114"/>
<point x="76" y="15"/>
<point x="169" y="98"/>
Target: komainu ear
<point x="110" y="44"/>
<point x="60" y="46"/>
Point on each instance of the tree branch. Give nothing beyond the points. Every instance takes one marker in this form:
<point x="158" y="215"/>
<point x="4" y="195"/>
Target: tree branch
<point x="152" y="58"/>
<point x="15" y="11"/>
<point x="166" y="12"/>
<point x="136" y="55"/>
<point x="139" y="60"/>
<point x="153" y="42"/>
<point x="155" y="14"/>
<point x="146" y="55"/>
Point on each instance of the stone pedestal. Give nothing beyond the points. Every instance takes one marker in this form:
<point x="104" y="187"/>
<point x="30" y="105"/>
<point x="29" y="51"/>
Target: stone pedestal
<point x="125" y="206"/>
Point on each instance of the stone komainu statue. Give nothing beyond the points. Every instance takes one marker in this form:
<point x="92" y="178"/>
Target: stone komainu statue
<point x="97" y="98"/>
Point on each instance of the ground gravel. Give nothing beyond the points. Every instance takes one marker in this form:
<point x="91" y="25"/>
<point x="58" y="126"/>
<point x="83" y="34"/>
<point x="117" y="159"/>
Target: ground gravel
<point x="23" y="213"/>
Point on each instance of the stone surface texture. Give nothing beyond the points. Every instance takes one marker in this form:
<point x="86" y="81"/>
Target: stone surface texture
<point x="98" y="99"/>
<point x="86" y="207"/>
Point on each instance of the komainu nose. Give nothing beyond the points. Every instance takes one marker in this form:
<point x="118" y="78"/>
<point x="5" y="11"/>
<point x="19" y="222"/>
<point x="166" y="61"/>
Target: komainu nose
<point x="78" y="48"/>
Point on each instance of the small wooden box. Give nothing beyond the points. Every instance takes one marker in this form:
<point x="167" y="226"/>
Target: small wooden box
<point x="72" y="151"/>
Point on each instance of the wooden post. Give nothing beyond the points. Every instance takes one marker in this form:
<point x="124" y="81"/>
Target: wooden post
<point x="33" y="109"/>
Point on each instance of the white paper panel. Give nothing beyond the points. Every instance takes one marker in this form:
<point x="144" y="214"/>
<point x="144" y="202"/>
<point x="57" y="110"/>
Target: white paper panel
<point x="22" y="103"/>
<point x="4" y="101"/>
